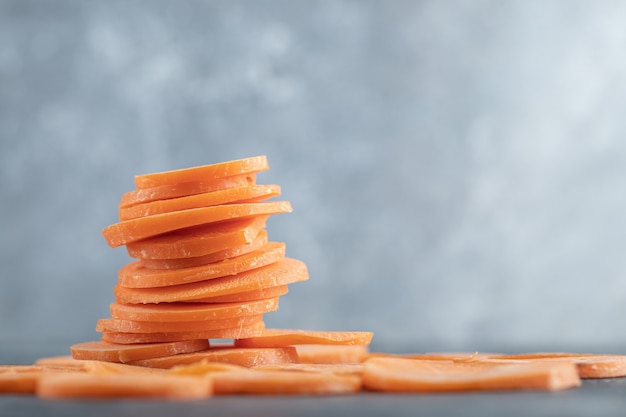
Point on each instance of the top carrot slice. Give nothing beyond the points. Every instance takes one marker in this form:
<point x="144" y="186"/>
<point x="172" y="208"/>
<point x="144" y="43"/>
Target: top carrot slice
<point x="286" y="337"/>
<point x="203" y="173"/>
<point x="128" y="231"/>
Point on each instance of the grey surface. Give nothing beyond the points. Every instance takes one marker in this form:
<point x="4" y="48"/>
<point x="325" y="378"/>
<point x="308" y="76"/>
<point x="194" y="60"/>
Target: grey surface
<point x="456" y="168"/>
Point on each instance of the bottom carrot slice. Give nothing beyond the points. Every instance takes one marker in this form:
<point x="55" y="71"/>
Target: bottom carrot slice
<point x="136" y="385"/>
<point x="339" y="369"/>
<point x="411" y="375"/>
<point x="286" y="337"/>
<point x="108" y="352"/>
<point x="23" y="379"/>
<point x="247" y="357"/>
<point x="332" y="354"/>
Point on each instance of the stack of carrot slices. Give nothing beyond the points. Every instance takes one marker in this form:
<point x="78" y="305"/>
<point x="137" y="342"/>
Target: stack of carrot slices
<point x="205" y="271"/>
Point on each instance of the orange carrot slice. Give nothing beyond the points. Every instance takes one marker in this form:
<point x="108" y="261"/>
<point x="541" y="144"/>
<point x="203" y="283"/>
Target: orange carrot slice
<point x="184" y="189"/>
<point x="271" y="382"/>
<point x="130" y="326"/>
<point x="248" y="357"/>
<point x="23" y="379"/>
<point x="134" y="275"/>
<point x="254" y="295"/>
<point x="60" y="362"/>
<point x="123" y="386"/>
<point x="412" y="375"/>
<point x="113" y="368"/>
<point x="204" y="368"/>
<point x="128" y="231"/>
<point x="285" y="337"/>
<point x="198" y="241"/>
<point x="247" y="193"/>
<point x="339" y="369"/>
<point x="332" y="354"/>
<point x="191" y="312"/>
<point x="103" y="351"/>
<point x="203" y="173"/>
<point x="283" y="272"/>
<point x="232" y="333"/>
<point x="257" y="243"/>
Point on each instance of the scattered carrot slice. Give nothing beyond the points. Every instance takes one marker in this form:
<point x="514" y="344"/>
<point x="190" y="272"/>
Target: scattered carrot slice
<point x="134" y="275"/>
<point x="23" y="379"/>
<point x="236" y="356"/>
<point x="165" y="192"/>
<point x="103" y="351"/>
<point x="232" y="333"/>
<point x="199" y="240"/>
<point x="60" y="362"/>
<point x="257" y="243"/>
<point x="191" y="311"/>
<point x="113" y="368"/>
<point x="285" y="337"/>
<point x="203" y="173"/>
<point x="128" y="231"/>
<point x="247" y="193"/>
<point x="261" y="294"/>
<point x="83" y="385"/>
<point x="204" y="367"/>
<point x="332" y="354"/>
<point x="412" y="375"/>
<point x="283" y="272"/>
<point x="339" y="369"/>
<point x="131" y="326"/>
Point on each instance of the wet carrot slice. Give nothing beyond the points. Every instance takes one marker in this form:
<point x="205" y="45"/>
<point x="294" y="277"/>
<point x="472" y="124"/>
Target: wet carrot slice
<point x="246" y="357"/>
<point x="232" y="333"/>
<point x="288" y="337"/>
<point x="198" y="241"/>
<point x="257" y="243"/>
<point x="283" y="272"/>
<point x="191" y="311"/>
<point x="83" y="385"/>
<point x="134" y="275"/>
<point x="130" y="326"/>
<point x="412" y="375"/>
<point x="247" y="193"/>
<point x="254" y="295"/>
<point x="103" y="351"/>
<point x="332" y="354"/>
<point x="203" y="173"/>
<point x="166" y="192"/>
<point x="128" y="231"/>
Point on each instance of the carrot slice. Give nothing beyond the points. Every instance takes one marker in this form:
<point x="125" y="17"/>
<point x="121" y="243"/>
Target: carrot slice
<point x="332" y="354"/>
<point x="284" y="383"/>
<point x="198" y="241"/>
<point x="257" y="243"/>
<point x="283" y="272"/>
<point x="247" y="193"/>
<point x="130" y="326"/>
<point x="113" y="368"/>
<point x="339" y="369"/>
<point x="203" y="368"/>
<point x="232" y="333"/>
<point x="23" y="379"/>
<point x="103" y="351"/>
<point x="60" y="362"/>
<point x="412" y="375"/>
<point x="124" y="386"/>
<point x="285" y="337"/>
<point x="134" y="275"/>
<point x="204" y="173"/>
<point x="247" y="357"/>
<point x="254" y="295"/>
<point x="184" y="189"/>
<point x="128" y="231"/>
<point x="191" y="312"/>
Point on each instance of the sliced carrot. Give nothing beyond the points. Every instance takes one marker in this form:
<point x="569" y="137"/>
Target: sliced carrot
<point x="247" y="193"/>
<point x="134" y="275"/>
<point x="113" y="368"/>
<point x="191" y="312"/>
<point x="184" y="189"/>
<point x="339" y="369"/>
<point x="128" y="231"/>
<point x="60" y="362"/>
<point x="254" y="295"/>
<point x="236" y="356"/>
<point x="285" y="337"/>
<point x="283" y="272"/>
<point x="198" y="241"/>
<point x="130" y="326"/>
<point x="103" y="351"/>
<point x="412" y="375"/>
<point x="203" y="173"/>
<point x="284" y="383"/>
<point x="257" y="243"/>
<point x="23" y="379"/>
<point x="332" y="354"/>
<point x="436" y="356"/>
<point x="232" y="333"/>
<point x="203" y="368"/>
<point x="123" y="386"/>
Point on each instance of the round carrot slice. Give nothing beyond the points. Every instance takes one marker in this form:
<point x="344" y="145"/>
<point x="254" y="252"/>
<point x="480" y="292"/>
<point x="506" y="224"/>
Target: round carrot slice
<point x="248" y="193"/>
<point x="231" y="333"/>
<point x="165" y="192"/>
<point x="119" y="234"/>
<point x="285" y="337"/>
<point x="132" y="326"/>
<point x="261" y="294"/>
<point x="203" y="173"/>
<point x="134" y="275"/>
<point x="199" y="240"/>
<point x="103" y="351"/>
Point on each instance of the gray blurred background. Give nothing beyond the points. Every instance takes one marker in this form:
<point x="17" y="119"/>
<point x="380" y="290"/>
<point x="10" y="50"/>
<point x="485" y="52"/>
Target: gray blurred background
<point x="456" y="168"/>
